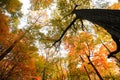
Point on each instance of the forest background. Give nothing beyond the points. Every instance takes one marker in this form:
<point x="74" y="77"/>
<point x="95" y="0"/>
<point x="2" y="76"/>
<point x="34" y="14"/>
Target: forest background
<point x="38" y="44"/>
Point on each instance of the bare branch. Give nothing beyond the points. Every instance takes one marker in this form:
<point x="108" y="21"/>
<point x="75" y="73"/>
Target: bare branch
<point x="64" y="32"/>
<point x="105" y="46"/>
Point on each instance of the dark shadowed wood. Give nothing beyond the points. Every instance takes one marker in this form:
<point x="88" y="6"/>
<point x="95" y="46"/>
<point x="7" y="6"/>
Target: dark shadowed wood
<point x="108" y="19"/>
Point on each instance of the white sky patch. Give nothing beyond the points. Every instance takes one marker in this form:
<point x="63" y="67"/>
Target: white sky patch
<point x="112" y="1"/>
<point x="63" y="51"/>
<point x="97" y="3"/>
<point x="79" y="65"/>
<point x="25" y="11"/>
<point x="26" y="6"/>
<point x="45" y="29"/>
<point x="51" y="10"/>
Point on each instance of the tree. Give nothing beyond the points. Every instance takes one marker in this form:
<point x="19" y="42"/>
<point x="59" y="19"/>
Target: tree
<point x="88" y="57"/>
<point x="34" y="27"/>
<point x="19" y="63"/>
<point x="7" y="21"/>
<point x="19" y="54"/>
<point x="110" y="18"/>
<point x="38" y="4"/>
<point x="68" y="23"/>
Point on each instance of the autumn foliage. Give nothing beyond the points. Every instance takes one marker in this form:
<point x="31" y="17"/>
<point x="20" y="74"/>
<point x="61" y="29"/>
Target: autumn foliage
<point x="115" y="6"/>
<point x="82" y="45"/>
<point x="31" y="55"/>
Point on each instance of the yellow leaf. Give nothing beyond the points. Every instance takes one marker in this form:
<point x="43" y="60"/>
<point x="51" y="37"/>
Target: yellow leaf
<point x="115" y="6"/>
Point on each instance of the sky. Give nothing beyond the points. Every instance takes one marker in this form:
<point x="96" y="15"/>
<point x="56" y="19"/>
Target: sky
<point x="26" y="6"/>
<point x="111" y="1"/>
<point x="25" y="10"/>
<point x="97" y="3"/>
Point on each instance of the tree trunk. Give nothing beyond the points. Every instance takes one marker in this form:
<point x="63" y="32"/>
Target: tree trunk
<point x="85" y="68"/>
<point x="98" y="74"/>
<point x="3" y="54"/>
<point x="108" y="19"/>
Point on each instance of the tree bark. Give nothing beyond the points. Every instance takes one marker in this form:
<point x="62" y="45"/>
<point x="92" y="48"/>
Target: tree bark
<point x="108" y="19"/>
<point x="98" y="74"/>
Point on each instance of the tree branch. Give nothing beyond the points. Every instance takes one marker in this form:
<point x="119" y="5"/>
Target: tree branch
<point x="64" y="32"/>
<point x="108" y="19"/>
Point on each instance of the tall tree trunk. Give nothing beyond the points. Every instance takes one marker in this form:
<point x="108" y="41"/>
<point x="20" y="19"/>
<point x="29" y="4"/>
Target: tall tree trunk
<point x="98" y="74"/>
<point x="44" y="73"/>
<point x="88" y="57"/>
<point x="85" y="68"/>
<point x="4" y="53"/>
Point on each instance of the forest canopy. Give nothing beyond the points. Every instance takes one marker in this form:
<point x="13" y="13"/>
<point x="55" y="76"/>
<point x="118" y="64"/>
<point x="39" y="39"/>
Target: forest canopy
<point x="59" y="40"/>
